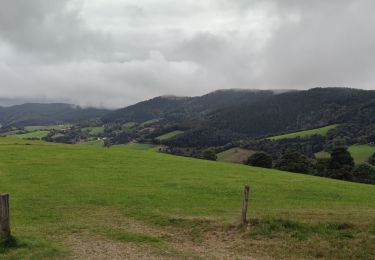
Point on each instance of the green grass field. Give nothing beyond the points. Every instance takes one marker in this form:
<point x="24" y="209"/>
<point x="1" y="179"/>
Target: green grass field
<point x="318" y="131"/>
<point x="39" y="134"/>
<point x="169" y="135"/>
<point x="149" y="122"/>
<point x="48" y="127"/>
<point x="234" y="155"/>
<point x="361" y="153"/>
<point x="73" y="201"/>
<point x="94" y="130"/>
<point x="135" y="146"/>
<point x="128" y="125"/>
<point x="98" y="143"/>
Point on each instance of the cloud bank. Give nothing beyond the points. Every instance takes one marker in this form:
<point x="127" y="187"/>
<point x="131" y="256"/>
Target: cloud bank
<point x="113" y="53"/>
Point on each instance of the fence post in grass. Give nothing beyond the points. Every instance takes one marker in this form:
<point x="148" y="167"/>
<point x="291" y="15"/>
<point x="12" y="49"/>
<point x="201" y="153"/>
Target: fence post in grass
<point x="4" y="216"/>
<point x="245" y="203"/>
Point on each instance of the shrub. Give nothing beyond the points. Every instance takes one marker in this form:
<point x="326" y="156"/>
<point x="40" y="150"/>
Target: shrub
<point x="209" y="155"/>
<point x="341" y="164"/>
<point x="293" y="161"/>
<point x="372" y="160"/>
<point x="364" y="173"/>
<point x="260" y="159"/>
<point x="321" y="166"/>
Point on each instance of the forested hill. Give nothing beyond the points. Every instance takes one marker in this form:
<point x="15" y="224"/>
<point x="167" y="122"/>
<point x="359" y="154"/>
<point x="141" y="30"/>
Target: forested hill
<point x="297" y="111"/>
<point x="256" y="113"/>
<point x="185" y="108"/>
<point x="45" y="114"/>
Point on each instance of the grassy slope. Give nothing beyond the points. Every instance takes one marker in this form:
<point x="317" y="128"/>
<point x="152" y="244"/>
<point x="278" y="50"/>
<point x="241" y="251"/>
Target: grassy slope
<point x="94" y="130"/>
<point x="361" y="153"/>
<point x="49" y="127"/>
<point x="235" y="155"/>
<point x="37" y="134"/>
<point x="53" y="200"/>
<point x="128" y="125"/>
<point x="319" y="131"/>
<point x="135" y="146"/>
<point x="169" y="135"/>
<point x="98" y="143"/>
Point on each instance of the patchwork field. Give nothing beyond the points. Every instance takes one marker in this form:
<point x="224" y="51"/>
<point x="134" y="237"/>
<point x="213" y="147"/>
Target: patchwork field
<point x="318" y="131"/>
<point x="79" y="202"/>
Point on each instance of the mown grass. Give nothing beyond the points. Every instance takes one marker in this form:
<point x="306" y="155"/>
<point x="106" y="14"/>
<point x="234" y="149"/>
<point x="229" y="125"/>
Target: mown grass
<point x="59" y="190"/>
<point x="169" y="135"/>
<point x="318" y="131"/>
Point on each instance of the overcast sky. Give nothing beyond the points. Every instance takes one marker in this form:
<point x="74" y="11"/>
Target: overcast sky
<point x="113" y="53"/>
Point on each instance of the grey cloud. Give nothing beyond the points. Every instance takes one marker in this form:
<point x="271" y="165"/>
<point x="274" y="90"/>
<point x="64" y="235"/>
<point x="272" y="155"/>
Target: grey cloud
<point x="114" y="53"/>
<point x="49" y="29"/>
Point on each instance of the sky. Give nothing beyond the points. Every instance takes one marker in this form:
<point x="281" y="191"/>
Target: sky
<point x="113" y="53"/>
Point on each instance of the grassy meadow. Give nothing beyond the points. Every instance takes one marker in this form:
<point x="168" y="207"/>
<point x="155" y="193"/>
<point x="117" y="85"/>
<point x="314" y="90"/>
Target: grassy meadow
<point x="94" y="130"/>
<point x="38" y="134"/>
<point x="234" y="155"/>
<point x="318" y="131"/>
<point x="82" y="202"/>
<point x="169" y="135"/>
<point x="49" y="127"/>
<point x="360" y="153"/>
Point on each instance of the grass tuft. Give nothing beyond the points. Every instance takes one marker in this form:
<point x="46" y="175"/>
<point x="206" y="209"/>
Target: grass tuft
<point x="137" y="238"/>
<point x="274" y="228"/>
<point x="7" y="243"/>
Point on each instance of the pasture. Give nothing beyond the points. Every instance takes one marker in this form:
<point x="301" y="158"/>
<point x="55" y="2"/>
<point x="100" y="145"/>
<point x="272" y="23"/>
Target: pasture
<point x="360" y="153"/>
<point x="48" y="127"/>
<point x="234" y="155"/>
<point x="39" y="134"/>
<point x="169" y="135"/>
<point x="94" y="130"/>
<point x="72" y="201"/>
<point x="318" y="131"/>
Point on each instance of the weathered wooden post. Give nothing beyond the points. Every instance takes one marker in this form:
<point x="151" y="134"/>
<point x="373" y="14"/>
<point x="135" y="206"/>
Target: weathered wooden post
<point x="4" y="216"/>
<point x="245" y="203"/>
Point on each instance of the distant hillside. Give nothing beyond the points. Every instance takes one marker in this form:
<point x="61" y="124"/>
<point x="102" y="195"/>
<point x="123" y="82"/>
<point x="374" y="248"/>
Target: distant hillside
<point x="251" y="113"/>
<point x="295" y="111"/>
<point x="185" y="108"/>
<point x="45" y="114"/>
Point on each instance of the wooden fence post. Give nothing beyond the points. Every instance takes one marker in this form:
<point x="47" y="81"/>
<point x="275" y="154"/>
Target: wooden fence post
<point x="4" y="216"/>
<point x="245" y="203"/>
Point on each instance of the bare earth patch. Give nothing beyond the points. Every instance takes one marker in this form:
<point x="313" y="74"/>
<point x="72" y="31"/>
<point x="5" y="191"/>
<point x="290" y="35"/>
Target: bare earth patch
<point x="99" y="249"/>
